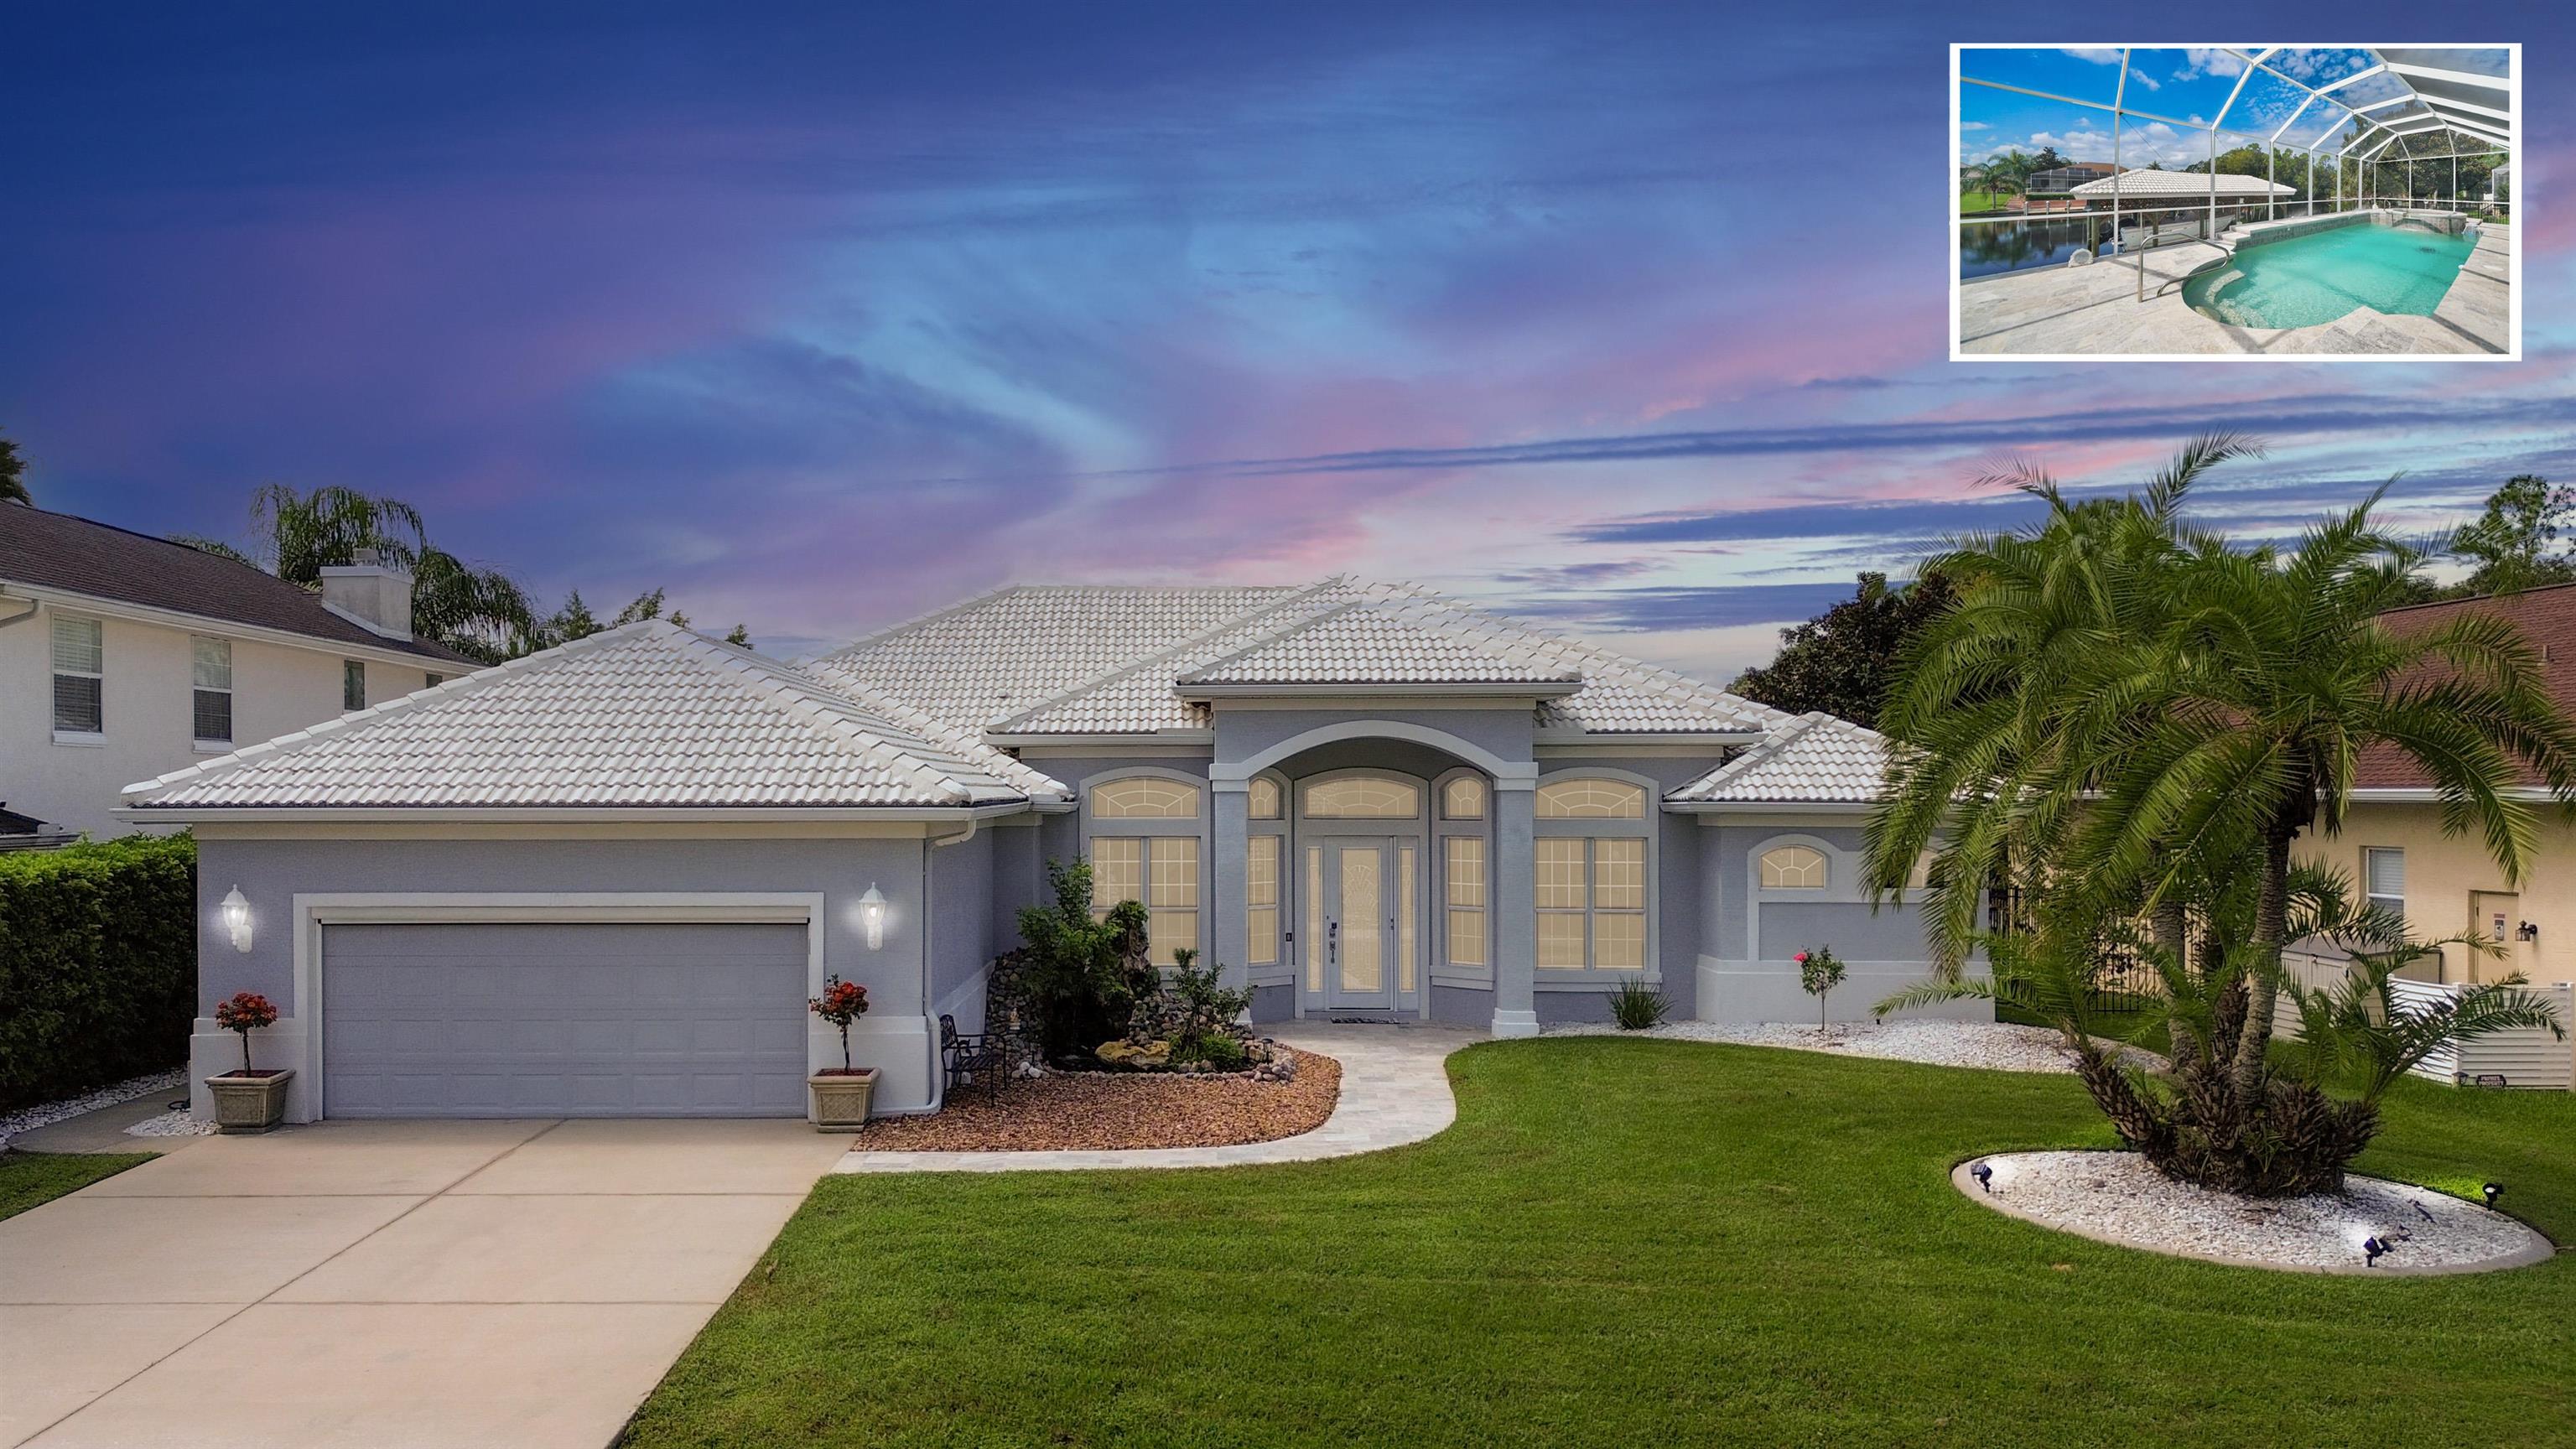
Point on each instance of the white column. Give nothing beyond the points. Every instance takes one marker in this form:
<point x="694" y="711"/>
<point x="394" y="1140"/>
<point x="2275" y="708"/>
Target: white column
<point x="1515" y="906"/>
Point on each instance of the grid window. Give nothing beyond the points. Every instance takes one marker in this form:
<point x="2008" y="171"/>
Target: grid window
<point x="1793" y="868"/>
<point x="353" y="684"/>
<point x="1162" y="872"/>
<point x="211" y="709"/>
<point x="1463" y="799"/>
<point x="1264" y="799"/>
<point x="1363" y="799"/>
<point x="1591" y="800"/>
<point x="1144" y="798"/>
<point x="1465" y="874"/>
<point x="1591" y="896"/>
<point x="1261" y="900"/>
<point x="80" y="666"/>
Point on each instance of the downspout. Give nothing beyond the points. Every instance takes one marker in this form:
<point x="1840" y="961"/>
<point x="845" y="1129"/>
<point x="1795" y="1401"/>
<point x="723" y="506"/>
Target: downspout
<point x="929" y="1016"/>
<point x="33" y="609"/>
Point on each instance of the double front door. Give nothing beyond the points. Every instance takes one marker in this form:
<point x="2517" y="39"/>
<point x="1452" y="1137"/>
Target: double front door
<point x="1363" y="913"/>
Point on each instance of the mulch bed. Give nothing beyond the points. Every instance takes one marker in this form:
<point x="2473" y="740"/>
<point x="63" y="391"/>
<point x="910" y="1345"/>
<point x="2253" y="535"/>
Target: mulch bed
<point x="1088" y="1112"/>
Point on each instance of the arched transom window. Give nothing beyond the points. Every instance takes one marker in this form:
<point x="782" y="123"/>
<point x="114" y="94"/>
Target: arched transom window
<point x="1794" y="868"/>
<point x="1463" y="799"/>
<point x="1144" y="797"/>
<point x="1362" y="797"/>
<point x="1591" y="800"/>
<point x="1263" y="798"/>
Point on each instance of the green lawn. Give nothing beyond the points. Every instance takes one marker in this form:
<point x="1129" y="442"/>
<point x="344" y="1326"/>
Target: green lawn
<point x="1628" y="1242"/>
<point x="28" y="1179"/>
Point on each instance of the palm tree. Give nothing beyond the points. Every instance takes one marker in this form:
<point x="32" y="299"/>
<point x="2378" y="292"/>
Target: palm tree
<point x="2121" y="705"/>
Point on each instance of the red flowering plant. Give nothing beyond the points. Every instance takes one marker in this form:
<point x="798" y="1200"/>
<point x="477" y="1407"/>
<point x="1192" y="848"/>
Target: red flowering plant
<point x="246" y="1012"/>
<point x="841" y="1003"/>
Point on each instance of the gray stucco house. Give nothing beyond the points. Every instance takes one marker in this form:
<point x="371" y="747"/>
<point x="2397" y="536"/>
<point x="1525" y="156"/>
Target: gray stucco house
<point x="604" y="879"/>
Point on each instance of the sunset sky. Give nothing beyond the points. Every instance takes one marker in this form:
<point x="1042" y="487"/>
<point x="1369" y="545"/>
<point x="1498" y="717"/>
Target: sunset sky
<point x="1631" y="318"/>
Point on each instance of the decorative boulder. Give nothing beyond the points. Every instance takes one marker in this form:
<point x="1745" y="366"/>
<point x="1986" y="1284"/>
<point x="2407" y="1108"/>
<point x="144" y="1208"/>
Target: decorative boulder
<point x="1129" y="1054"/>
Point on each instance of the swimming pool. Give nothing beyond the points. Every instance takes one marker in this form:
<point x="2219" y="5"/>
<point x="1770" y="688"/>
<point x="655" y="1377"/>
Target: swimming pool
<point x="2307" y="280"/>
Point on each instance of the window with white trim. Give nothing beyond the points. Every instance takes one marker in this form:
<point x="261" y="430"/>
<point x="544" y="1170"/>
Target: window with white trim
<point x="1795" y="868"/>
<point x="353" y="684"/>
<point x="210" y="710"/>
<point x="1591" y="867"/>
<point x="2383" y="875"/>
<point x="80" y="676"/>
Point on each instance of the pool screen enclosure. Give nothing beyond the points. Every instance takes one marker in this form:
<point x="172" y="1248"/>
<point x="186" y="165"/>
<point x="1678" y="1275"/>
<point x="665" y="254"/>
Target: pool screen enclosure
<point x="2117" y="150"/>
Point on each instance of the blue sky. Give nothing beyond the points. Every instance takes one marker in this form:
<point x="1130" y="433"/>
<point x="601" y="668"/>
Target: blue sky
<point x="1632" y="317"/>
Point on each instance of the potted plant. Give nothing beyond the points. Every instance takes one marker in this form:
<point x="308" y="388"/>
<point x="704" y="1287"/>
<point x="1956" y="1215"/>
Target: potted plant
<point x="250" y="1100"/>
<point x="1819" y="971"/>
<point x="841" y="1093"/>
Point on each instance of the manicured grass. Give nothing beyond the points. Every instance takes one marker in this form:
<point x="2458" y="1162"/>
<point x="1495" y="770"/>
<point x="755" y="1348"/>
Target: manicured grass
<point x="28" y="1179"/>
<point x="1628" y="1242"/>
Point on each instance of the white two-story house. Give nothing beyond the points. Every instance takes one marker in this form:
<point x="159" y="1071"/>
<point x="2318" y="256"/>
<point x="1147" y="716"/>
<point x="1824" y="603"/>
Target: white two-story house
<point x="124" y="656"/>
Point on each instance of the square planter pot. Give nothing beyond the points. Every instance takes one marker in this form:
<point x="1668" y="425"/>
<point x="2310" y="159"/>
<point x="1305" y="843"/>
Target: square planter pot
<point x="249" y="1103"/>
<point x="841" y="1098"/>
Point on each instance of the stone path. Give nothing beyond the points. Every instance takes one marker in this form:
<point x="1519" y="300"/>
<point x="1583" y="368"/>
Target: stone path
<point x="1395" y="1090"/>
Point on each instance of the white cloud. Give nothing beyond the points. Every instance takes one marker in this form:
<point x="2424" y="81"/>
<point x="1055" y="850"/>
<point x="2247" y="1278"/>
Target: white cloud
<point x="1974" y="126"/>
<point x="2098" y="54"/>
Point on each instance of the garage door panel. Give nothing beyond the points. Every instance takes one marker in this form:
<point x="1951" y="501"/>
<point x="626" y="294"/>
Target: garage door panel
<point x="564" y="1020"/>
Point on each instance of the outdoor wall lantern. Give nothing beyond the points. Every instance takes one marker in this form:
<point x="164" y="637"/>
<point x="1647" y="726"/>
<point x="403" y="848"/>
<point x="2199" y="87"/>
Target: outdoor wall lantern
<point x="2527" y="931"/>
<point x="236" y="916"/>
<point x="872" y="915"/>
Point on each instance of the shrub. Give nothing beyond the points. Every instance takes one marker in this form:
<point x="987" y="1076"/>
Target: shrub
<point x="1222" y="1054"/>
<point x="1635" y="1006"/>
<point x="1819" y="972"/>
<point x="98" y="964"/>
<point x="1077" y="978"/>
<point x="1195" y="1011"/>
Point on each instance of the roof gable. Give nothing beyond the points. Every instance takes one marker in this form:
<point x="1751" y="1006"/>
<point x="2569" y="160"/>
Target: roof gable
<point x="1816" y="758"/>
<point x="648" y="715"/>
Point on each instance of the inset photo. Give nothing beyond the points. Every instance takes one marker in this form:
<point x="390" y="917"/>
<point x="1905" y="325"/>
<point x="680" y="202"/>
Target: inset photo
<point x="2236" y="202"/>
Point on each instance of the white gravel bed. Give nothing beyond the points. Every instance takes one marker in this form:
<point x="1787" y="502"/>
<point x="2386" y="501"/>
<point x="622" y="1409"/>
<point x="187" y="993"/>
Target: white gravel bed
<point x="172" y="1124"/>
<point x="45" y="1114"/>
<point x="2115" y="1197"/>
<point x="1994" y="1046"/>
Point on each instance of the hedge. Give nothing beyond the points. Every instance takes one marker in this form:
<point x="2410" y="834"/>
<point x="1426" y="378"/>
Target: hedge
<point x="98" y="964"/>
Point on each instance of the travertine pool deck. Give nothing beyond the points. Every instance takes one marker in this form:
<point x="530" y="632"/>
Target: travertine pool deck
<point x="2094" y="311"/>
<point x="1395" y="1090"/>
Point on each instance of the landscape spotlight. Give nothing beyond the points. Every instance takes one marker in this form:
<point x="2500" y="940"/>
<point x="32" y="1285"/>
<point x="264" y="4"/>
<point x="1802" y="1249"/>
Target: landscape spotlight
<point x="2371" y="1248"/>
<point x="1985" y="1176"/>
<point x="2493" y="1190"/>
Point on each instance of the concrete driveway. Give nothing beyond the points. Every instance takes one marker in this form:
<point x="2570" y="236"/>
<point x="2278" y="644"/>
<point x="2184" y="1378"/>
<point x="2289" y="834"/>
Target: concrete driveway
<point x="386" y="1284"/>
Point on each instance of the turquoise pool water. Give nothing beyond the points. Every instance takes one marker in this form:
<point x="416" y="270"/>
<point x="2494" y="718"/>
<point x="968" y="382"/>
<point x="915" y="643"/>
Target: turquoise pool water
<point x="2321" y="276"/>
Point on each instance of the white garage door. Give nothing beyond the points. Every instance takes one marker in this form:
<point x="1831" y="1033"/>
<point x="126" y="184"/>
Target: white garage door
<point x="563" y="1020"/>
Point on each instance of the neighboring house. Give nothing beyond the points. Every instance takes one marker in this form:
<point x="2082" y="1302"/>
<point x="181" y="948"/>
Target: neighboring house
<point x="123" y="656"/>
<point x="2395" y="850"/>
<point x="2132" y="189"/>
<point x="604" y="879"/>
<point x="2069" y="176"/>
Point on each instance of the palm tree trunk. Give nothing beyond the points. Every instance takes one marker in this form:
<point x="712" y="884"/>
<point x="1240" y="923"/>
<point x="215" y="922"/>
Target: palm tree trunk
<point x="2271" y="921"/>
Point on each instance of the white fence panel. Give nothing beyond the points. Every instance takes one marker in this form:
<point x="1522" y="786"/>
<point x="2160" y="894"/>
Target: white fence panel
<point x="2526" y="1057"/>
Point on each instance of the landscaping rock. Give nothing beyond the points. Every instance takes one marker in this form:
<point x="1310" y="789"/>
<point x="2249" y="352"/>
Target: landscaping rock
<point x="1994" y="1046"/>
<point x="1084" y="1111"/>
<point x="2116" y="1197"/>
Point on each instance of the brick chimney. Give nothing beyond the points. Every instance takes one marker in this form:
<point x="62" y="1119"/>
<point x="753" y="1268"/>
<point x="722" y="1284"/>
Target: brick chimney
<point x="372" y="592"/>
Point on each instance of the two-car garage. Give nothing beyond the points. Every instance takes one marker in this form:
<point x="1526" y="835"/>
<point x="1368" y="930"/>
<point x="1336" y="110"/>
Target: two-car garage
<point x="563" y="1018"/>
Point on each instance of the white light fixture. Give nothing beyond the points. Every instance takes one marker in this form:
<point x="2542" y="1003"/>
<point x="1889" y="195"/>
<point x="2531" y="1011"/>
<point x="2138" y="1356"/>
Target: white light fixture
<point x="871" y="915"/>
<point x="236" y="915"/>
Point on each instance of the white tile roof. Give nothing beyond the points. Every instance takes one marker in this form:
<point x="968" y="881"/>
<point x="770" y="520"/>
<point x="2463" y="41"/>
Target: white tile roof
<point x="1338" y="631"/>
<point x="2179" y="183"/>
<point x="1009" y="651"/>
<point x="646" y="715"/>
<point x="1815" y="758"/>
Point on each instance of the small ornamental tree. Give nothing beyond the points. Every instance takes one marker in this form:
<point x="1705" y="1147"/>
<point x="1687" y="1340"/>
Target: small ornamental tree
<point x="1819" y="971"/>
<point x="841" y="1003"/>
<point x="246" y="1012"/>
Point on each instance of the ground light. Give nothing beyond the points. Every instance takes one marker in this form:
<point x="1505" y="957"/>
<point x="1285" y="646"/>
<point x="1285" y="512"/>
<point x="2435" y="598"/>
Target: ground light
<point x="2371" y="1248"/>
<point x="1985" y="1176"/>
<point x="2493" y="1191"/>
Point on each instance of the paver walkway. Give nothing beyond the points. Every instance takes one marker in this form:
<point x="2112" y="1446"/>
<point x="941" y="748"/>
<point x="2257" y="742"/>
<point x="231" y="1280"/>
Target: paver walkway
<point x="1395" y="1090"/>
<point x="386" y="1283"/>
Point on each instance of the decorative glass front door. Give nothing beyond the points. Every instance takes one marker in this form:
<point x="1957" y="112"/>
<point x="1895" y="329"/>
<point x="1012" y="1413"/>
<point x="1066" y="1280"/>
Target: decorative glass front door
<point x="1360" y="913"/>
